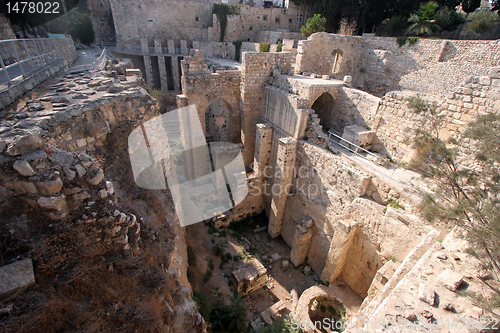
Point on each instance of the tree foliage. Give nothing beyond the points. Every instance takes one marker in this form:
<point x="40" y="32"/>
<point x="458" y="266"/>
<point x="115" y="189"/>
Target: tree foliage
<point x="495" y="6"/>
<point x="424" y="22"/>
<point x="229" y="318"/>
<point x="466" y="175"/>
<point x="482" y="22"/>
<point x="448" y="19"/>
<point x="313" y="24"/>
<point x="470" y="6"/>
<point x="76" y="23"/>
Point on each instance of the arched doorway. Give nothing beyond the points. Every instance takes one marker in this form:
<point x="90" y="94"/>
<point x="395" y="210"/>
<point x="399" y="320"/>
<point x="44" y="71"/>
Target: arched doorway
<point x="324" y="109"/>
<point x="218" y="122"/>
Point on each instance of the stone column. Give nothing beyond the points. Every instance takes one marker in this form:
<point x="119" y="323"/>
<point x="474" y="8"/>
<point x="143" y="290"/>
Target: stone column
<point x="175" y="65"/>
<point x="301" y="240"/>
<point x="184" y="47"/>
<point x="161" y="65"/>
<point x="262" y="153"/>
<point x="147" y="62"/>
<point x="283" y="170"/>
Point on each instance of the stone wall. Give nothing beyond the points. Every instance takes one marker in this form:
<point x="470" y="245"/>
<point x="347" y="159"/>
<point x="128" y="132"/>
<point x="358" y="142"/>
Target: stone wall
<point x="329" y="54"/>
<point x="429" y="65"/>
<point x="102" y="20"/>
<point x="6" y="31"/>
<point x="479" y="95"/>
<point x="172" y="19"/>
<point x="66" y="46"/>
<point x="216" y="49"/>
<point x="247" y="26"/>
<point x="273" y="37"/>
<point x="257" y="68"/>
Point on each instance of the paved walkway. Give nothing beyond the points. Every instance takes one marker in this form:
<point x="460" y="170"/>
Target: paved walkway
<point x="87" y="57"/>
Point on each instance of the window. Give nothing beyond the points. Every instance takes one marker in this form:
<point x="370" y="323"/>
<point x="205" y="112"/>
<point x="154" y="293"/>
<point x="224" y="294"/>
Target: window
<point x="290" y="20"/>
<point x="196" y="18"/>
<point x="264" y="18"/>
<point x="277" y="19"/>
<point x="299" y="18"/>
<point x="337" y="59"/>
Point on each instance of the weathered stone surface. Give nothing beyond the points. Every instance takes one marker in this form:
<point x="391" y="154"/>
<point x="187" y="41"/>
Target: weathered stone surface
<point x="97" y="178"/>
<point x="24" y="143"/>
<point x="450" y="279"/>
<point x="16" y="276"/>
<point x="60" y="157"/>
<point x="56" y="203"/>
<point x="24" y="168"/>
<point x="109" y="187"/>
<point x="426" y="294"/>
<point x="81" y="196"/>
<point x="70" y="174"/>
<point x="34" y="105"/>
<point x="80" y="170"/>
<point x="50" y="186"/>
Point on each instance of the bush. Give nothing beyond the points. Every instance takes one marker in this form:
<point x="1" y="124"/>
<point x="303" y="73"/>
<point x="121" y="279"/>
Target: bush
<point x="207" y="276"/>
<point x="448" y="19"/>
<point x="203" y="302"/>
<point x="279" y="48"/>
<point x="211" y="264"/>
<point x="314" y="24"/>
<point x="191" y="256"/>
<point x="264" y="47"/>
<point x="482" y="22"/>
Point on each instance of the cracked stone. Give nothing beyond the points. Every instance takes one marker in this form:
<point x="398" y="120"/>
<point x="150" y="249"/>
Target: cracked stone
<point x="56" y="203"/>
<point x="24" y="168"/>
<point x="450" y="280"/>
<point x="425" y="294"/>
<point x="50" y="187"/>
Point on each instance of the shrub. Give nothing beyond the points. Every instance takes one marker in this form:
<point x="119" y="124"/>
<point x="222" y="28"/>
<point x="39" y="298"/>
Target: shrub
<point x="207" y="276"/>
<point x="211" y="264"/>
<point x="203" y="302"/>
<point x="191" y="256"/>
<point x="448" y="19"/>
<point x="314" y="24"/>
<point x="264" y="47"/>
<point x="279" y="48"/>
<point x="482" y="22"/>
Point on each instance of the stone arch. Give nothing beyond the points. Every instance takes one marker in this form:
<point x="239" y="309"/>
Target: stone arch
<point x="337" y="55"/>
<point x="323" y="106"/>
<point x="218" y="121"/>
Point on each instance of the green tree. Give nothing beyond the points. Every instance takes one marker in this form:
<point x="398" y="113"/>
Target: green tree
<point x="313" y="24"/>
<point x="424" y="21"/>
<point x="287" y="325"/>
<point x="482" y="22"/>
<point x="495" y="6"/>
<point x="466" y="176"/>
<point x="229" y="318"/>
<point x="469" y="6"/>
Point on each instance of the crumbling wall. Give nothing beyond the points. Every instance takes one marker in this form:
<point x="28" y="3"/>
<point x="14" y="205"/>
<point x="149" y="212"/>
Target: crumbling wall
<point x="317" y="55"/>
<point x="429" y="65"/>
<point x="478" y="95"/>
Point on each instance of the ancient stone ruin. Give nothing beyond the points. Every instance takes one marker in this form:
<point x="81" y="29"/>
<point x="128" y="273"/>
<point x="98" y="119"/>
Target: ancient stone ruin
<point x="329" y="228"/>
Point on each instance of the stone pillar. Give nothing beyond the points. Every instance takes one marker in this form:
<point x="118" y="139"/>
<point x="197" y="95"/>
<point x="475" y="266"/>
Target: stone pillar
<point x="175" y="73"/>
<point x="161" y="65"/>
<point x="262" y="153"/>
<point x="301" y="240"/>
<point x="171" y="46"/>
<point x="147" y="62"/>
<point x="283" y="174"/>
<point x="184" y="47"/>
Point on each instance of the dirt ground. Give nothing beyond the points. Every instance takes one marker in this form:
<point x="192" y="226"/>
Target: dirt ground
<point x="280" y="282"/>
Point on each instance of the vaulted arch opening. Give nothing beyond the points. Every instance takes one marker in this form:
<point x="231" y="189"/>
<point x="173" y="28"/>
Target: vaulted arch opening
<point x="218" y="122"/>
<point x="324" y="109"/>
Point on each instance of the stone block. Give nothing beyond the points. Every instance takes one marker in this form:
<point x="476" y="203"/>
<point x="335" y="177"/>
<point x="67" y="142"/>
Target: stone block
<point x="23" y="144"/>
<point x="426" y="294"/>
<point x="97" y="178"/>
<point x="450" y="280"/>
<point x="56" y="203"/>
<point x="50" y="186"/>
<point x="358" y="135"/>
<point x="24" y="168"/>
<point x="109" y="187"/>
<point x="16" y="276"/>
<point x="484" y="80"/>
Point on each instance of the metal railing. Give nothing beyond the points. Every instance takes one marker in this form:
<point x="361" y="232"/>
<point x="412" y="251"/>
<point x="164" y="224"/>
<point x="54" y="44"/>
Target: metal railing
<point x="138" y="50"/>
<point x="20" y="57"/>
<point x="97" y="65"/>
<point x="355" y="148"/>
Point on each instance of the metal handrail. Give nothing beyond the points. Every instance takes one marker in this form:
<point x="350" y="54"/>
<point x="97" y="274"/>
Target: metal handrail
<point x="394" y="167"/>
<point x="21" y="54"/>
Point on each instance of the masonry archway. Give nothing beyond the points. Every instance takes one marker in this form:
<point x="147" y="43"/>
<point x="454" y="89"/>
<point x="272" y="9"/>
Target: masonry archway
<point x="323" y="106"/>
<point x="218" y="122"/>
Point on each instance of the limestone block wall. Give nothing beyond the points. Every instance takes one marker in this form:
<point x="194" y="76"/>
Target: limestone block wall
<point x="273" y="37"/>
<point x="429" y="65"/>
<point x="317" y="54"/>
<point x="216" y="49"/>
<point x="66" y="46"/>
<point x="204" y="89"/>
<point x="172" y="19"/>
<point x="252" y="20"/>
<point x="256" y="70"/>
<point x="479" y="95"/>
